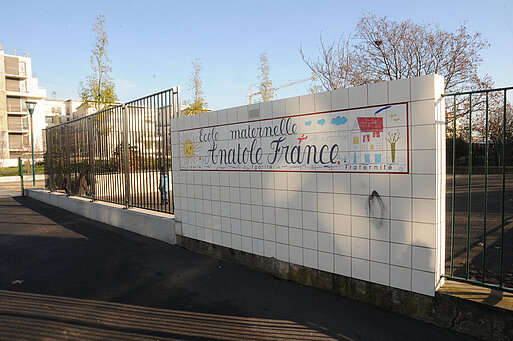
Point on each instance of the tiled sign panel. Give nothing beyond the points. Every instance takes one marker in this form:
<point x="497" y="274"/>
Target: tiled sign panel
<point x="371" y="139"/>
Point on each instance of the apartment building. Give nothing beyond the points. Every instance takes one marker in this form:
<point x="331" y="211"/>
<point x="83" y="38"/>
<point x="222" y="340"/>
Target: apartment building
<point x="19" y="84"/>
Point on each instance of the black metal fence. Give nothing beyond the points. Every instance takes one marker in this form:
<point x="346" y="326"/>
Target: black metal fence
<point x="479" y="218"/>
<point x="120" y="155"/>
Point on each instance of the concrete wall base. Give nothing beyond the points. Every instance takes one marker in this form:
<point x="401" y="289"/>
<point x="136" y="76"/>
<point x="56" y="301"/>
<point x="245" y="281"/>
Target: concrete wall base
<point x="444" y="310"/>
<point x="156" y="225"/>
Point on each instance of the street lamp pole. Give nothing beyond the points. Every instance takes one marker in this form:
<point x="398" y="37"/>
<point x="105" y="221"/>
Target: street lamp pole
<point x="30" y="106"/>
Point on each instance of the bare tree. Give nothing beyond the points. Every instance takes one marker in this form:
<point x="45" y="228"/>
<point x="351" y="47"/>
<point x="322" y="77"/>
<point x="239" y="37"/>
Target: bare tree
<point x="390" y="50"/>
<point x="382" y="49"/>
<point x="336" y="65"/>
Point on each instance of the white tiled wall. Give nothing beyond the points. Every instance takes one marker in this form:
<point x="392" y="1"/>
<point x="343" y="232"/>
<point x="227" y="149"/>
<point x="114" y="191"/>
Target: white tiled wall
<point x="320" y="220"/>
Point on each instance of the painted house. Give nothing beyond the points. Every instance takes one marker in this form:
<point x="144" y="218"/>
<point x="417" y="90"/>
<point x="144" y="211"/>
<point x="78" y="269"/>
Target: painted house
<point x="367" y="140"/>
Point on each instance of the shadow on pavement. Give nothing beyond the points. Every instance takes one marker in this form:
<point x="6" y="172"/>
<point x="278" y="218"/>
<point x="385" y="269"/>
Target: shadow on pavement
<point x="25" y="315"/>
<point x="80" y="276"/>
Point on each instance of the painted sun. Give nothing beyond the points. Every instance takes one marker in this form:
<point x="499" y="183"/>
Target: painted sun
<point x="190" y="147"/>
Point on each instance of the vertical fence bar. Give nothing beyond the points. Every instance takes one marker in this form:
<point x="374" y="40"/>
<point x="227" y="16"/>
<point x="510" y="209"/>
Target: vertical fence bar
<point x="485" y="212"/>
<point x="166" y="119"/>
<point x="140" y="155"/>
<point x="162" y="155"/>
<point x="146" y="159"/>
<point x="501" y="276"/>
<point x="176" y="104"/>
<point x="49" y="150"/>
<point x="117" y="124"/>
<point x="131" y="147"/>
<point x="153" y="140"/>
<point x="103" y="165"/>
<point x="107" y="167"/>
<point x="126" y="155"/>
<point x="92" y="168"/>
<point x="157" y="150"/>
<point x="178" y="112"/>
<point x="75" y="156"/>
<point x="111" y="145"/>
<point x="453" y="184"/>
<point x="163" y="111"/>
<point x="469" y="186"/>
<point x="107" y="180"/>
<point x="67" y="159"/>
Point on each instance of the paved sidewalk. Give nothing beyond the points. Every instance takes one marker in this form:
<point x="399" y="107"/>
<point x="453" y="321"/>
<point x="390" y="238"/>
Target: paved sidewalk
<point x="63" y="276"/>
<point x="13" y="188"/>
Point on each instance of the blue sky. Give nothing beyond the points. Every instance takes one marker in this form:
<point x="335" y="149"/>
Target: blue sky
<point x="152" y="43"/>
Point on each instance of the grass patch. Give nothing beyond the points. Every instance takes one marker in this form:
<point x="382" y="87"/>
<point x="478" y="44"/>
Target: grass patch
<point x="13" y="171"/>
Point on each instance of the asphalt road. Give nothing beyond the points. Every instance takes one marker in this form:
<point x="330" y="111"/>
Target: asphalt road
<point x="63" y="276"/>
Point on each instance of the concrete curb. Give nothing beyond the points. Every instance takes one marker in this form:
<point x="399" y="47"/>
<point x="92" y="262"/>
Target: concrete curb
<point x="156" y="225"/>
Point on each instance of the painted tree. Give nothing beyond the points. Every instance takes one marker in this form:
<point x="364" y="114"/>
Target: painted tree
<point x="266" y="84"/>
<point x="392" y="138"/>
<point x="98" y="91"/>
<point x="197" y="104"/>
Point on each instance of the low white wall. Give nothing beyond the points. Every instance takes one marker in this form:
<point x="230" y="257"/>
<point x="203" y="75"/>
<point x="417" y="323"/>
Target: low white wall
<point x="156" y="225"/>
<point x="317" y="217"/>
<point x="26" y="178"/>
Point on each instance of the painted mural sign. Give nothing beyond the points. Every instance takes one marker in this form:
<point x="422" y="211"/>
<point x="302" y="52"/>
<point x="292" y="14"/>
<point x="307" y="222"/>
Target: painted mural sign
<point x="372" y="139"/>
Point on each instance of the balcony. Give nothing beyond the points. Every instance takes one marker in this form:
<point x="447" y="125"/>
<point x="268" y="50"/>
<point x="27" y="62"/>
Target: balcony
<point x="17" y="124"/>
<point x="15" y="85"/>
<point x="15" y="67"/>
<point x="16" y="106"/>
<point x="19" y="142"/>
<point x="13" y="72"/>
<point x="16" y="88"/>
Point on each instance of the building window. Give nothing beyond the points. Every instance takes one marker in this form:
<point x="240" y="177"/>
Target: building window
<point x="15" y="104"/>
<point x="11" y="65"/>
<point x="25" y="123"/>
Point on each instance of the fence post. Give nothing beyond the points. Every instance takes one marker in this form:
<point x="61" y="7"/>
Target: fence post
<point x="20" y="168"/>
<point x="92" y="173"/>
<point x="126" y="156"/>
<point x="49" y="146"/>
<point x="177" y="101"/>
